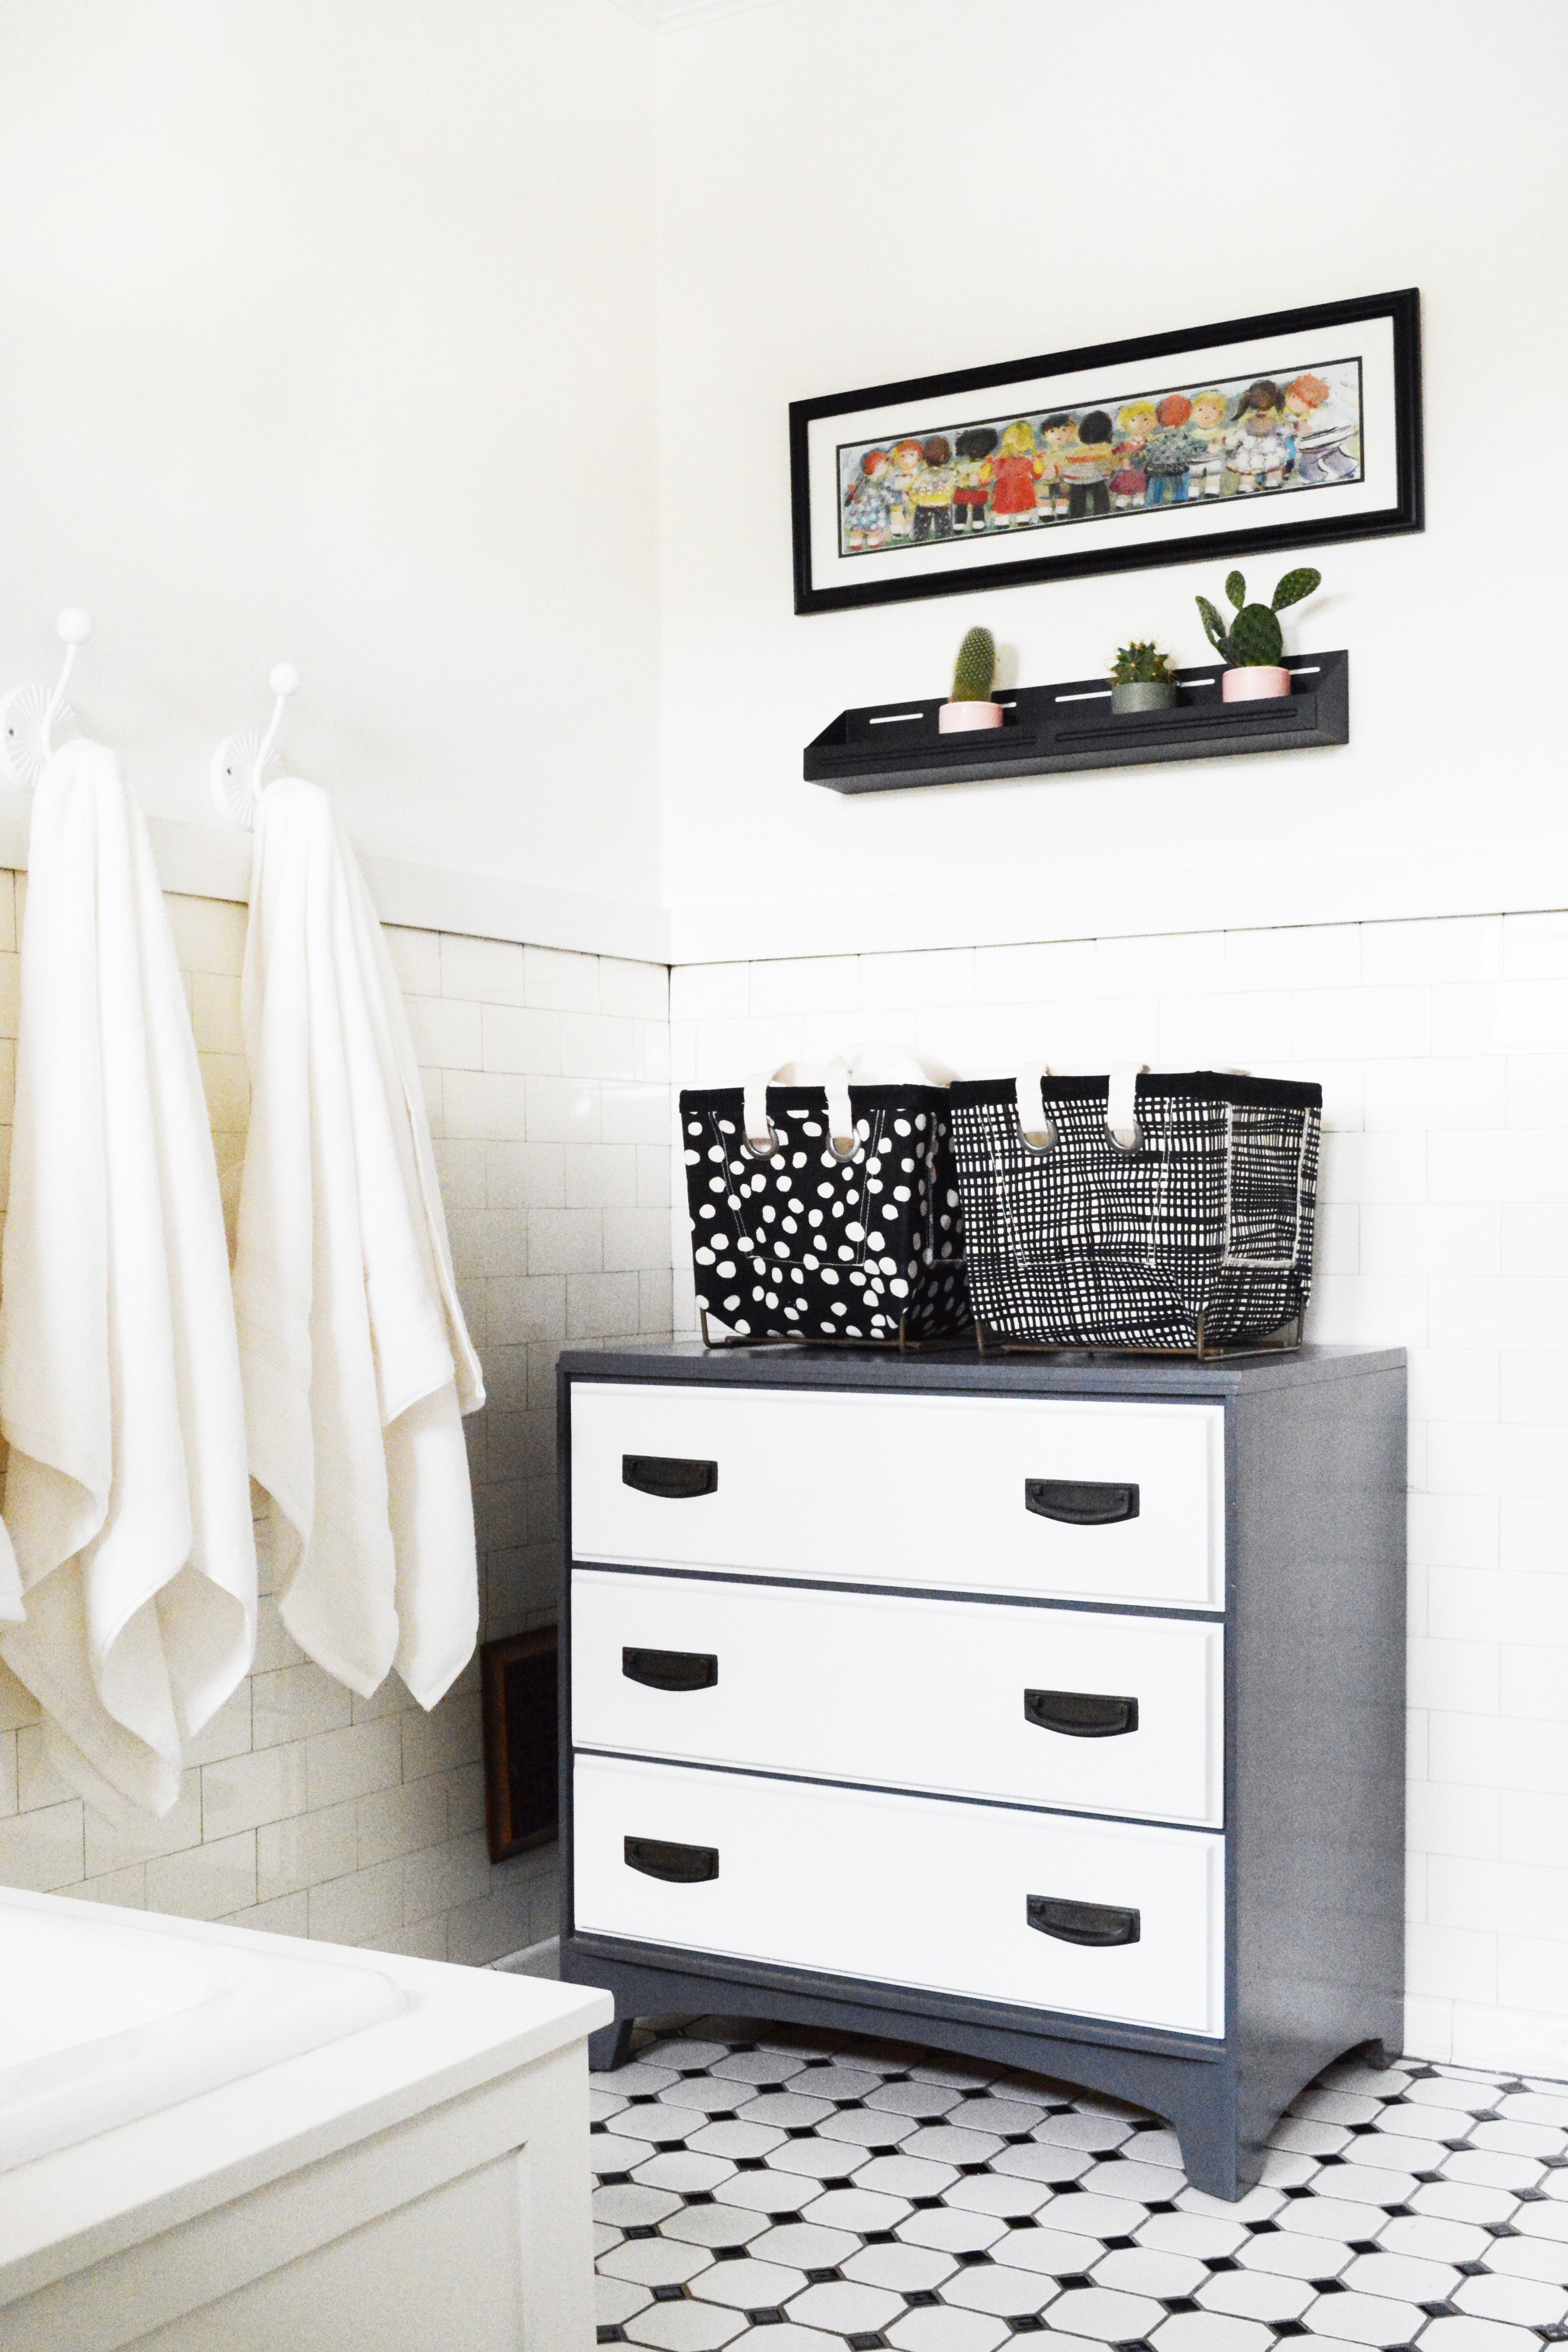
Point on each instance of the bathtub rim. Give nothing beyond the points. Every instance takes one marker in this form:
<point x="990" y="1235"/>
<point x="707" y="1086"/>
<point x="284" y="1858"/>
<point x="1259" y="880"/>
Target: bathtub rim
<point x="462" y="2028"/>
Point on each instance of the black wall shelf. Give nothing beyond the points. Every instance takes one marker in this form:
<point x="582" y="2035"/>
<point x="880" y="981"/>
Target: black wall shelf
<point x="1050" y="728"/>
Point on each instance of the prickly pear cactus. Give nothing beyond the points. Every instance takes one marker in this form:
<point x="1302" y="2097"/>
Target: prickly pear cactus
<point x="1255" y="639"/>
<point x="975" y="669"/>
<point x="1295" y="586"/>
<point x="1214" y="628"/>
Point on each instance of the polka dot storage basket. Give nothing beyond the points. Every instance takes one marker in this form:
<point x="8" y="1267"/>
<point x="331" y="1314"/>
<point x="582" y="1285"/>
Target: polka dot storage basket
<point x="825" y="1208"/>
<point x="1154" y="1213"/>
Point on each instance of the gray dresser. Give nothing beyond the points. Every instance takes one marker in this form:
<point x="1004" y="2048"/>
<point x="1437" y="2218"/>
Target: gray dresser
<point x="1047" y="1710"/>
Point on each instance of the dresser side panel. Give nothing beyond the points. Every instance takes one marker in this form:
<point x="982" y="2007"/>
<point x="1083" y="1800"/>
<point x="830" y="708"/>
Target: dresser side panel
<point x="1315" y="1767"/>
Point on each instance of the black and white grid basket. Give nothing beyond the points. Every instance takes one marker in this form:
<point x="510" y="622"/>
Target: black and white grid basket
<point x="1156" y="1213"/>
<point x="825" y="1212"/>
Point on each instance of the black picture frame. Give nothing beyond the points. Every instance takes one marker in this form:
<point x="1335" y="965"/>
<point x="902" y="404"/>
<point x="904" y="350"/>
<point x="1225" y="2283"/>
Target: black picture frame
<point x="1303" y="516"/>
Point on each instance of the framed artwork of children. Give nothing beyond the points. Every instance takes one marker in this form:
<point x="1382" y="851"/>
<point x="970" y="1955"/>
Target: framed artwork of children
<point x="1289" y="431"/>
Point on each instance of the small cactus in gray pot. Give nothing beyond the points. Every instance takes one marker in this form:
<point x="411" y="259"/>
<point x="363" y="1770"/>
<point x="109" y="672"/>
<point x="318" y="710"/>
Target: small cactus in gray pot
<point x="1254" y="640"/>
<point x="1140" y="679"/>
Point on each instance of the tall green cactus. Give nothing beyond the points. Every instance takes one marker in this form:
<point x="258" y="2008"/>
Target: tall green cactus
<point x="974" y="672"/>
<point x="1254" y="640"/>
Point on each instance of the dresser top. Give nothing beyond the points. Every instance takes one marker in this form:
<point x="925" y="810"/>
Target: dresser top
<point x="776" y="1364"/>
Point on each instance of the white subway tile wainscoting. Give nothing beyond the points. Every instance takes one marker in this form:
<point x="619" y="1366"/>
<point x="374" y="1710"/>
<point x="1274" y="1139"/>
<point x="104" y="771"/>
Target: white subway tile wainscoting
<point x="306" y="1809"/>
<point x="1442" y="1047"/>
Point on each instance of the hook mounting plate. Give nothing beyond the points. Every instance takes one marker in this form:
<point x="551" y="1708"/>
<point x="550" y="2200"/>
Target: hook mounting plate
<point x="22" y="733"/>
<point x="233" y="768"/>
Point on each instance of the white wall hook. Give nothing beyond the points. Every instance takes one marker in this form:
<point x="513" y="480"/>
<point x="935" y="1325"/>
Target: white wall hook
<point x="32" y="716"/>
<point x="238" y="775"/>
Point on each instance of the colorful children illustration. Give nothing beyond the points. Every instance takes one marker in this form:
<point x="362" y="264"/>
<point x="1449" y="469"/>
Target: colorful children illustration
<point x="972" y="477"/>
<point x="1321" y="428"/>
<point x="908" y="461"/>
<point x="1211" y="424"/>
<point x="1169" y="445"/>
<point x="1171" y="452"/>
<point x="1086" y="465"/>
<point x="1260" y="452"/>
<point x="1014" y="473"/>
<point x="931" y="491"/>
<point x="1135" y="424"/>
<point x="869" y="501"/>
<point x="1059" y="434"/>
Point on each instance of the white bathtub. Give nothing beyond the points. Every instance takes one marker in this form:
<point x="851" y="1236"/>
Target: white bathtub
<point x="217" y="2141"/>
<point x="106" y="2016"/>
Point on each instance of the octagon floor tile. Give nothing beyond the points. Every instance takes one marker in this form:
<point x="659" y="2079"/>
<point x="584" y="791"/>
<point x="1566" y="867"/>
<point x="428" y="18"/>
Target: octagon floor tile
<point x="1365" y="2319"/>
<point x="748" y="2285"/>
<point x="847" y="2305"/>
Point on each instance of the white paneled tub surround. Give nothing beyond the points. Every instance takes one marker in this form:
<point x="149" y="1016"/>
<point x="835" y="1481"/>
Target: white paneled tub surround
<point x="384" y="2156"/>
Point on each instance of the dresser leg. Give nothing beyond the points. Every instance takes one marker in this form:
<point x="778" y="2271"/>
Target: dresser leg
<point x="611" y="2046"/>
<point x="1207" y="2125"/>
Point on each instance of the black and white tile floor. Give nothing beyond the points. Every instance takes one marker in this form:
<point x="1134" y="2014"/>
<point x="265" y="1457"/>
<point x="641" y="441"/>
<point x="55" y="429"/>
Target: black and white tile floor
<point x="780" y="2190"/>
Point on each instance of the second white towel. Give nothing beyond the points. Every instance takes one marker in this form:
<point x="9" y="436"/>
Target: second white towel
<point x="356" y="1362"/>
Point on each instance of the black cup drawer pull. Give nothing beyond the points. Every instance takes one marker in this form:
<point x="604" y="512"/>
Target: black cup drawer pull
<point x="1080" y="1502"/>
<point x="680" y="1866"/>
<point x="1079" y="1714"/>
<point x="1080" y="1923"/>
<point x="676" y="1670"/>
<point x="675" y="1479"/>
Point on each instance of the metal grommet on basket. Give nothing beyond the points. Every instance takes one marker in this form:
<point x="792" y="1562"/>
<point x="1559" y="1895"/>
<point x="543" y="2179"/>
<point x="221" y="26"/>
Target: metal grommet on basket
<point x="753" y="1147"/>
<point x="843" y="1150"/>
<point x="1121" y="1124"/>
<point x="1028" y="1087"/>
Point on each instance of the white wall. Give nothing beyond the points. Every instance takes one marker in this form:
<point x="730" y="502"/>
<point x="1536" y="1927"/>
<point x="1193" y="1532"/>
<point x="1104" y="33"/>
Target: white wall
<point x="854" y="192"/>
<point x="326" y="333"/>
<point x="858" y="191"/>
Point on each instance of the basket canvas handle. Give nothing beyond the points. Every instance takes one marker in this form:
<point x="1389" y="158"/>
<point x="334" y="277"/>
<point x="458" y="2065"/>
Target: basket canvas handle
<point x="1121" y="1103"/>
<point x="1039" y="1132"/>
<point x="833" y="1076"/>
<point x="1120" y="1106"/>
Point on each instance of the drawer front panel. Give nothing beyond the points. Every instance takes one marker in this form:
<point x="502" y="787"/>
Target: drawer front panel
<point x="970" y="1698"/>
<point x="906" y="1890"/>
<point x="1083" y="1499"/>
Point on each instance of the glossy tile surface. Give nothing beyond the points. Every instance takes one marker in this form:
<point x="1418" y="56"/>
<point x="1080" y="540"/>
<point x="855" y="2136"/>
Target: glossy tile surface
<point x="775" y="2190"/>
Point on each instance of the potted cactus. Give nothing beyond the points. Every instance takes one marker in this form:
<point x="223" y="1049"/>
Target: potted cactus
<point x="1253" y="644"/>
<point x="1140" y="679"/>
<point x="973" y="675"/>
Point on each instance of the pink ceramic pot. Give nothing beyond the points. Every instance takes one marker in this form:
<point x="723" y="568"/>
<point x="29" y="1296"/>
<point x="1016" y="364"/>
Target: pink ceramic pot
<point x="958" y="718"/>
<point x="1260" y="685"/>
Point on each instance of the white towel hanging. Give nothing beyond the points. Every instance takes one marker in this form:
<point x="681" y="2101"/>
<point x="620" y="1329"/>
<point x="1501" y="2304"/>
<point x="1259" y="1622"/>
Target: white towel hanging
<point x="357" y="1365"/>
<point x="126" y="1495"/>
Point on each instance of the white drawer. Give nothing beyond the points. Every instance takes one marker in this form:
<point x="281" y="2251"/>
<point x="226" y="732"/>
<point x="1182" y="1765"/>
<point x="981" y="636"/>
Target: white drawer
<point x="961" y="1696"/>
<point x="914" y="1490"/>
<point x="906" y="1890"/>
